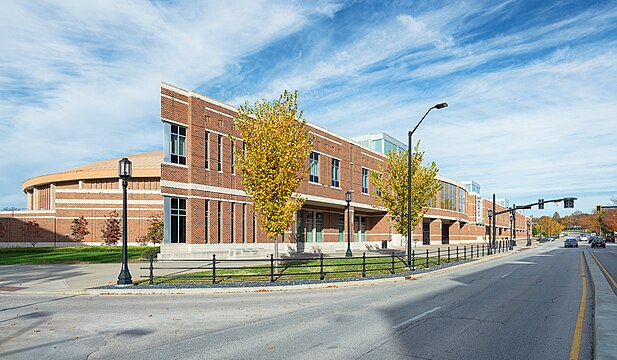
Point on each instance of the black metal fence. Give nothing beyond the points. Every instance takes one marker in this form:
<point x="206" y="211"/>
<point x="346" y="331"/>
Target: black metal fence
<point x="216" y="270"/>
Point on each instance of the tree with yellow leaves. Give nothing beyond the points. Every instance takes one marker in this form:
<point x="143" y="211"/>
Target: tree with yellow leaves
<point x="392" y="188"/>
<point x="273" y="161"/>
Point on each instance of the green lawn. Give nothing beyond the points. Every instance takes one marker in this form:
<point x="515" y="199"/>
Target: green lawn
<point x="300" y="270"/>
<point x="71" y="255"/>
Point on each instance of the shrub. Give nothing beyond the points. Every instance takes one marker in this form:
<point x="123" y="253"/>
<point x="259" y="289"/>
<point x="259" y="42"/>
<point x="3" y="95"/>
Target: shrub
<point x="155" y="231"/>
<point x="142" y="240"/>
<point x="30" y="232"/>
<point x="150" y="251"/>
<point x="79" y="229"/>
<point x="111" y="230"/>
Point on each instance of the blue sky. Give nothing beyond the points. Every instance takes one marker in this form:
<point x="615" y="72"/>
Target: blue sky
<point x="531" y="84"/>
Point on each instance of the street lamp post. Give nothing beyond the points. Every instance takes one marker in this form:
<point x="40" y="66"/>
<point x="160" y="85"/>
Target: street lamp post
<point x="490" y="240"/>
<point x="124" y="172"/>
<point x="348" y="199"/>
<point x="510" y="231"/>
<point x="528" y="237"/>
<point x="409" y="173"/>
<point x="514" y="224"/>
<point x="494" y="227"/>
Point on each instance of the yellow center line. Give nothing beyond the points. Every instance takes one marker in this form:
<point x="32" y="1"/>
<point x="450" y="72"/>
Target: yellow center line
<point x="604" y="270"/>
<point x="578" y="330"/>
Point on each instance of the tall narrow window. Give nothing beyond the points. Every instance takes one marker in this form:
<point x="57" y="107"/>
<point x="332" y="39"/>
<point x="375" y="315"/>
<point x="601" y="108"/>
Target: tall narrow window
<point x="314" y="167"/>
<point x="233" y="157"/>
<point x="177" y="145"/>
<point x="207" y="149"/>
<point x="365" y="181"/>
<point x="341" y="228"/>
<point x="218" y="223"/>
<point x="178" y="220"/>
<point x="233" y="221"/>
<point x="206" y="221"/>
<point x="254" y="228"/>
<point x="243" y="223"/>
<point x="336" y="172"/>
<point x="220" y="153"/>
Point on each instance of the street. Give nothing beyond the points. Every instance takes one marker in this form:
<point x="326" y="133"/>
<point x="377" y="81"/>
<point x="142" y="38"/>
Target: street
<point x="523" y="306"/>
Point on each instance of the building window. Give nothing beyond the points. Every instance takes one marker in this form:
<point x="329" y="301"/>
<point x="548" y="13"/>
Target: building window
<point x="207" y="149"/>
<point x="233" y="158"/>
<point x="314" y="168"/>
<point x="314" y="226"/>
<point x="177" y="145"/>
<point x="254" y="228"/>
<point x="341" y="228"/>
<point x="206" y="221"/>
<point x="299" y="227"/>
<point x="461" y="200"/>
<point x="448" y="196"/>
<point x="220" y="153"/>
<point x="178" y="220"/>
<point x="233" y="222"/>
<point x="359" y="225"/>
<point x="336" y="172"/>
<point x="243" y="223"/>
<point x="218" y="223"/>
<point x="365" y="181"/>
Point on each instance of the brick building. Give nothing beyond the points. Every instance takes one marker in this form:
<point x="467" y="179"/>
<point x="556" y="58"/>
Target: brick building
<point x="207" y="211"/>
<point x="91" y="191"/>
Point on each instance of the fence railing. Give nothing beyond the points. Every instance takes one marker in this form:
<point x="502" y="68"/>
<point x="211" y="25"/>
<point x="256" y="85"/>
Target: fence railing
<point x="219" y="270"/>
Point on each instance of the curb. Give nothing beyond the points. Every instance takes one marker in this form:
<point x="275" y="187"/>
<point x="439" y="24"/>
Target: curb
<point x="605" y="313"/>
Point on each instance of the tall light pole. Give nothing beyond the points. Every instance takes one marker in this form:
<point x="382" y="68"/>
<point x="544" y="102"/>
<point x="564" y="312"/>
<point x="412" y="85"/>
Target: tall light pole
<point x="124" y="172"/>
<point x="528" y="237"/>
<point x="510" y="231"/>
<point x="494" y="227"/>
<point x="409" y="176"/>
<point x="348" y="199"/>
<point x="514" y="224"/>
<point x="490" y="240"/>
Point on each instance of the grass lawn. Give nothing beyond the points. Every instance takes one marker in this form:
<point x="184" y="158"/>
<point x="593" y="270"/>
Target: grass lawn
<point x="300" y="270"/>
<point x="71" y="255"/>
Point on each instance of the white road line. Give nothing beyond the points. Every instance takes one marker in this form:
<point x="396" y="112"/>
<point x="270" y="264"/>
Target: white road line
<point x="504" y="275"/>
<point x="417" y="317"/>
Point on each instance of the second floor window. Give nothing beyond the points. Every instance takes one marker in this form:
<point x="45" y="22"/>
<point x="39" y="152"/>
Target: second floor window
<point x="177" y="145"/>
<point x="314" y="168"/>
<point x="220" y="153"/>
<point x="207" y="149"/>
<point x="365" y="181"/>
<point x="336" y="172"/>
<point x="233" y="158"/>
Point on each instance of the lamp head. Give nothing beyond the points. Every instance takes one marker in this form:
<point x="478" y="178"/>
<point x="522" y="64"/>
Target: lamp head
<point x="348" y="196"/>
<point x="441" y="106"/>
<point x="125" y="168"/>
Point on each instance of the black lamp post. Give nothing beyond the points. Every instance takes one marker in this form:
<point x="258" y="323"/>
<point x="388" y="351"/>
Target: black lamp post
<point x="528" y="237"/>
<point x="348" y="199"/>
<point x="510" y="231"/>
<point x="490" y="240"/>
<point x="124" y="172"/>
<point x="514" y="224"/>
<point x="409" y="170"/>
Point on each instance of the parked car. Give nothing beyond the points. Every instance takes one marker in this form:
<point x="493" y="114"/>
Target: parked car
<point x="570" y="242"/>
<point x="545" y="239"/>
<point x="598" y="241"/>
<point x="610" y="238"/>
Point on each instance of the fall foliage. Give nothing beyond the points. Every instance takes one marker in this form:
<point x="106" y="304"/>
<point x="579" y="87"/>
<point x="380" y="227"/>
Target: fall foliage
<point x="79" y="228"/>
<point x="30" y="232"/>
<point x="273" y="162"/>
<point x="111" y="231"/>
<point x="392" y="187"/>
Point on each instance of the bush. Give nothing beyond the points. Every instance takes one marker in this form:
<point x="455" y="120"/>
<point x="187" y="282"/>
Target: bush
<point x="150" y="251"/>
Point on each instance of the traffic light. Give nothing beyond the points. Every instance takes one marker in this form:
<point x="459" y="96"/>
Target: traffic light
<point x="568" y="203"/>
<point x="541" y="204"/>
<point x="598" y="209"/>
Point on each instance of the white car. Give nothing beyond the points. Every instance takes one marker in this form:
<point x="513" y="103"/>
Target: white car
<point x="583" y="237"/>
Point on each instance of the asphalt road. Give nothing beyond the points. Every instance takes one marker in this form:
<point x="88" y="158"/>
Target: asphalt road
<point x="523" y="306"/>
<point x="608" y="259"/>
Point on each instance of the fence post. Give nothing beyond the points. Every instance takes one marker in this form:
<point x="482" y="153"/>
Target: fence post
<point x="477" y="250"/>
<point x="151" y="270"/>
<point x="438" y="256"/>
<point x="392" y="271"/>
<point x="448" y="254"/>
<point x="426" y="267"/>
<point x="363" y="264"/>
<point x="271" y="268"/>
<point x="321" y="274"/>
<point x="214" y="268"/>
<point x="413" y="260"/>
<point x="464" y="252"/>
<point x="471" y="251"/>
<point x="456" y="253"/>
<point x="482" y="249"/>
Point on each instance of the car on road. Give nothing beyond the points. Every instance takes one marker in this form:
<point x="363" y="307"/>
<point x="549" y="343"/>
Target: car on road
<point x="610" y="238"/>
<point x="545" y="239"/>
<point x="570" y="242"/>
<point x="583" y="237"/>
<point x="598" y="241"/>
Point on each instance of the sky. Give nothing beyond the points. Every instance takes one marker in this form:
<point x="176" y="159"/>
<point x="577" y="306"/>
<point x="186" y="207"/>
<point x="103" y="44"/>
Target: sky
<point x="531" y="85"/>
